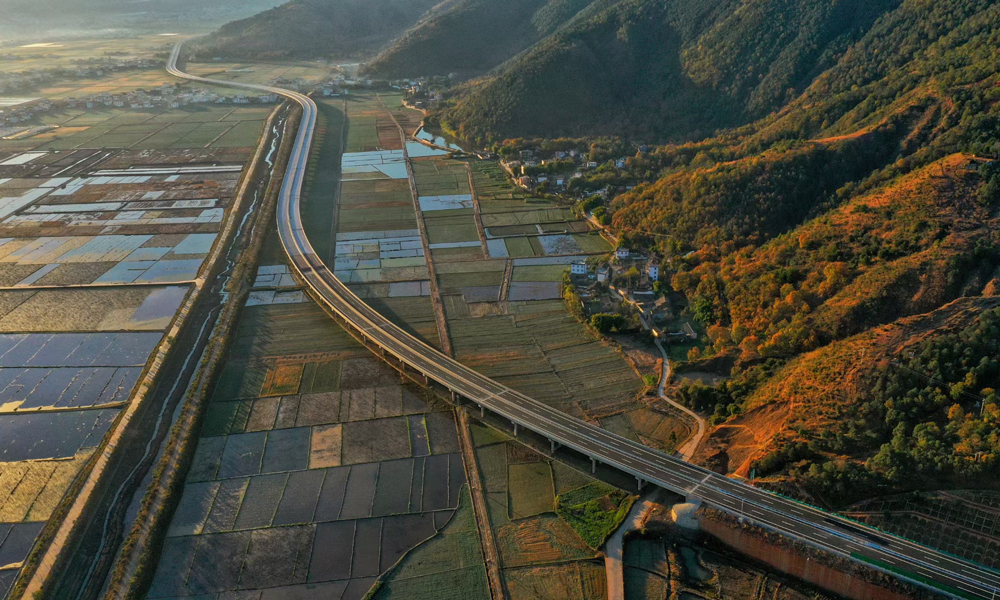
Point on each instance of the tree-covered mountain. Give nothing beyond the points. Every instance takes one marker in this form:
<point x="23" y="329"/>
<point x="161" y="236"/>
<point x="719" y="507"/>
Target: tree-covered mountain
<point x="471" y="36"/>
<point x="664" y="68"/>
<point x="313" y="28"/>
<point x="842" y="253"/>
<point x="825" y="198"/>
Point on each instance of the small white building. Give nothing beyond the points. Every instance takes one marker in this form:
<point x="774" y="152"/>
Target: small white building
<point x="578" y="268"/>
<point x="622" y="253"/>
<point x="603" y="274"/>
<point x="653" y="270"/>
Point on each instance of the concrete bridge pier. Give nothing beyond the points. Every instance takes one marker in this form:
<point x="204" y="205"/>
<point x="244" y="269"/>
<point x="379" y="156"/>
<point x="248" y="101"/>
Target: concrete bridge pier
<point x="515" y="428"/>
<point x="593" y="465"/>
<point x="553" y="446"/>
<point x="640" y="483"/>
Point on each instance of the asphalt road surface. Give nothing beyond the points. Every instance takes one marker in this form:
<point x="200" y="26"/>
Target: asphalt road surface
<point x="951" y="575"/>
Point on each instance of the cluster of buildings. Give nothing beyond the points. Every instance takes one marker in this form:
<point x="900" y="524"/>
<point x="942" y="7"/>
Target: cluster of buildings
<point x="648" y="267"/>
<point x="608" y="286"/>
<point x="166" y="95"/>
<point x="530" y="171"/>
<point x="19" y="113"/>
<point x="95" y="67"/>
<point x="419" y="95"/>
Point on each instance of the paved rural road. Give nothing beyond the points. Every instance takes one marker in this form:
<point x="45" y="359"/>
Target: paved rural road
<point x="686" y="451"/>
<point x="958" y="577"/>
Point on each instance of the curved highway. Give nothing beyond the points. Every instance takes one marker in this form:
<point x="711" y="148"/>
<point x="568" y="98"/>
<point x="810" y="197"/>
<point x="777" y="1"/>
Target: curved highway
<point x="828" y="532"/>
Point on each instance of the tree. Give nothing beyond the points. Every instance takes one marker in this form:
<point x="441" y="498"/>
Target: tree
<point x="632" y="275"/>
<point x="606" y="322"/>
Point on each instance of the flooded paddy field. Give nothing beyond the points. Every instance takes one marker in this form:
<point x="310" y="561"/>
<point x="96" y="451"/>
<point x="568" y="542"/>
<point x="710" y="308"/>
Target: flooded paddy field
<point x="104" y="226"/>
<point x="317" y="468"/>
<point x="376" y="243"/>
<point x="498" y="256"/>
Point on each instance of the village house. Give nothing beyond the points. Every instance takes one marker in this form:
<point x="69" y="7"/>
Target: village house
<point x="653" y="270"/>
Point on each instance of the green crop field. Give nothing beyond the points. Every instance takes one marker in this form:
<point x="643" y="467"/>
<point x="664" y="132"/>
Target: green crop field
<point x="448" y="566"/>
<point x="531" y="489"/>
<point x="446" y="230"/>
<point x="361" y="134"/>
<point x="148" y="128"/>
<point x="578" y="580"/>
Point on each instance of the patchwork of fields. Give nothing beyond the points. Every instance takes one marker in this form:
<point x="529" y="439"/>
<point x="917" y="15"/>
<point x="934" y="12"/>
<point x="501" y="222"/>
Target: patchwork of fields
<point x="165" y="133"/>
<point x="541" y="554"/>
<point x="377" y="246"/>
<point x="317" y="468"/>
<point x="101" y="238"/>
<point x="266" y="73"/>
<point x="67" y="53"/>
<point x="496" y="257"/>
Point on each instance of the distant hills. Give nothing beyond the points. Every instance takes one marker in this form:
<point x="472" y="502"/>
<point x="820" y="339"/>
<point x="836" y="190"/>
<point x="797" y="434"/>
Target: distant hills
<point x="472" y="36"/>
<point x="314" y="28"/>
<point x="662" y="69"/>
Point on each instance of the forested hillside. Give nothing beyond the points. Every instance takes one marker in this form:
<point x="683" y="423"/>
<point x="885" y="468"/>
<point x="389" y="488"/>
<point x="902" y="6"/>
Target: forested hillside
<point x="842" y="254"/>
<point x="470" y="36"/>
<point x="315" y="28"/>
<point x="825" y="196"/>
<point x="664" y="68"/>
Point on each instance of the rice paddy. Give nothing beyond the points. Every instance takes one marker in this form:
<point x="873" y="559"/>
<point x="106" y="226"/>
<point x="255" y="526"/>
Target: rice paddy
<point x="158" y="128"/>
<point x="317" y="469"/>
<point x="352" y="478"/>
<point x="541" y="554"/>
<point x="105" y="222"/>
